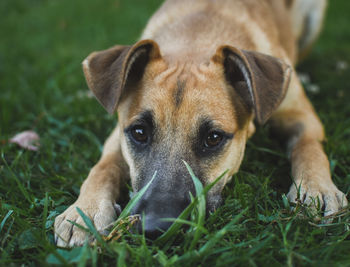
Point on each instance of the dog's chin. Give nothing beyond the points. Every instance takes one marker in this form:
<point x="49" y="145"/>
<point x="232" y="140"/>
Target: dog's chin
<point x="213" y="203"/>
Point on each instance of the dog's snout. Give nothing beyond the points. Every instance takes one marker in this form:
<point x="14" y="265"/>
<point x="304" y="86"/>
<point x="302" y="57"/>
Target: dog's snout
<point x="165" y="198"/>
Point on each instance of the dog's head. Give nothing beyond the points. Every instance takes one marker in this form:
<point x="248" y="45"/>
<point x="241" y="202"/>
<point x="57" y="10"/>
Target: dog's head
<point x="170" y="113"/>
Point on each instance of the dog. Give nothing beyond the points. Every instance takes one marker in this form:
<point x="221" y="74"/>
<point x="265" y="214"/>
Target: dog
<point x="202" y="75"/>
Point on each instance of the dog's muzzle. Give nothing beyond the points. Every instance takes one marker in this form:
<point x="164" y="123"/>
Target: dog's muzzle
<point x="158" y="210"/>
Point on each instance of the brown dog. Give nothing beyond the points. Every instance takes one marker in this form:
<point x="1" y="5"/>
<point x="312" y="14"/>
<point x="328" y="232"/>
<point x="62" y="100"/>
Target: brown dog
<point x="190" y="90"/>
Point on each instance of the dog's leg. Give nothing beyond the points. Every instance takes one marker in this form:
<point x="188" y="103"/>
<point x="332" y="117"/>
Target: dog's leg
<point x="307" y="19"/>
<point x="298" y="122"/>
<point x="97" y="196"/>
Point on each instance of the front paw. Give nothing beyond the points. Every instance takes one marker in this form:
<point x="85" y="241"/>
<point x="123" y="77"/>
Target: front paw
<point x="101" y="212"/>
<point x="318" y="196"/>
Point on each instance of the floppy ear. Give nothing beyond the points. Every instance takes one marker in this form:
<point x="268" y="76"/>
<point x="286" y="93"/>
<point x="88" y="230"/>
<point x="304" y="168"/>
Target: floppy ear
<point x="108" y="72"/>
<point x="260" y="80"/>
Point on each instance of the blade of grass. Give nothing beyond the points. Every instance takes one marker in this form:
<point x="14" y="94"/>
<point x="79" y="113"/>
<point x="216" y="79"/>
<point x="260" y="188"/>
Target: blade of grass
<point x="126" y="211"/>
<point x="200" y="207"/>
<point x="79" y="226"/>
<point x="84" y="256"/>
<point x="45" y="213"/>
<point x="220" y="234"/>
<point x="210" y="186"/>
<point x="203" y="229"/>
<point x="5" y="219"/>
<point x="135" y="199"/>
<point x="20" y="186"/>
<point x="91" y="226"/>
<point x="205" y="249"/>
<point x="174" y="228"/>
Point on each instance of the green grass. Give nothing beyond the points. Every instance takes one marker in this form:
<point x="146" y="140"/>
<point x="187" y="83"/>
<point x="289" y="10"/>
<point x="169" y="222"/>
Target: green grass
<point x="41" y="48"/>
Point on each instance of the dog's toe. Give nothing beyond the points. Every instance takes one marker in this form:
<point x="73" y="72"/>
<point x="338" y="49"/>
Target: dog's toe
<point x="79" y="236"/>
<point x="68" y="235"/>
<point x="328" y="198"/>
<point x="105" y="216"/>
<point x="314" y="201"/>
<point x="341" y="197"/>
<point x="64" y="233"/>
<point x="333" y="202"/>
<point x="296" y="195"/>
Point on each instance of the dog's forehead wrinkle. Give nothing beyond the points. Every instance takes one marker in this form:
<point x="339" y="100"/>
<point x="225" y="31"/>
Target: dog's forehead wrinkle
<point x="182" y="70"/>
<point x="179" y="91"/>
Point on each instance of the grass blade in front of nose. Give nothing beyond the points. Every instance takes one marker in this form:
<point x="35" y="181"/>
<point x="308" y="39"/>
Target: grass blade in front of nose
<point x="200" y="208"/>
<point x="116" y="232"/>
<point x="126" y="211"/>
<point x="178" y="222"/>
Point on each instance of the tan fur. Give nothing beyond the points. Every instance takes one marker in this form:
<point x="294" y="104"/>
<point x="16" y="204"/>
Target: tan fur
<point x="183" y="53"/>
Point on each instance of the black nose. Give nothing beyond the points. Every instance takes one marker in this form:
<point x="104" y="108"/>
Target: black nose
<point x="157" y="215"/>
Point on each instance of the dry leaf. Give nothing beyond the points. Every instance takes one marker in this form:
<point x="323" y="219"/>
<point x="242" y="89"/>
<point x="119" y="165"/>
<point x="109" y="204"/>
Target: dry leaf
<point x="27" y="139"/>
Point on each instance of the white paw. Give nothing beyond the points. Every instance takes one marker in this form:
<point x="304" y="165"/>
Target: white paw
<point x="102" y="213"/>
<point x="316" y="196"/>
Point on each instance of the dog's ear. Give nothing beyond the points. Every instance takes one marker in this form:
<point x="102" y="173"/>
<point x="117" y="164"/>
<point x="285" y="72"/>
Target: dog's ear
<point x="260" y="80"/>
<point x="108" y="72"/>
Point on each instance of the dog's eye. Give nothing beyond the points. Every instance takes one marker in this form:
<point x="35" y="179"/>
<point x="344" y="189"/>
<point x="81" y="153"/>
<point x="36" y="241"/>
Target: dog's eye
<point x="213" y="139"/>
<point x="139" y="133"/>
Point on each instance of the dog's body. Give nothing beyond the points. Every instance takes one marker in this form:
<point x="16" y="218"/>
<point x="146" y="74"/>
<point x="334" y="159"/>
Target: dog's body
<point x="190" y="91"/>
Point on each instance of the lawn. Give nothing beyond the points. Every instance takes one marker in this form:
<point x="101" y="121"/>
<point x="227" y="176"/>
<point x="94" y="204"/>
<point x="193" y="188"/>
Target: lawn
<point x="42" y="88"/>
